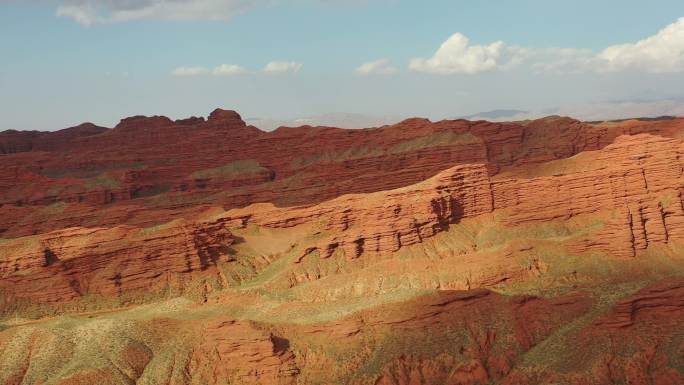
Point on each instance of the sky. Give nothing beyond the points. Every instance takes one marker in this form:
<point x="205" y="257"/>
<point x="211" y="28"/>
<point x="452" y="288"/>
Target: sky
<point x="64" y="62"/>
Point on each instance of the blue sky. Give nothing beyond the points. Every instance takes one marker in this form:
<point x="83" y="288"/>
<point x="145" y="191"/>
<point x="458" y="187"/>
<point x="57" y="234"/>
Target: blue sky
<point x="60" y="68"/>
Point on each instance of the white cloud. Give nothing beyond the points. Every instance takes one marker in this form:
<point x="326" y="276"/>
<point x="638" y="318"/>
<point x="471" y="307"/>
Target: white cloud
<point x="189" y="71"/>
<point x="89" y="12"/>
<point x="662" y="52"/>
<point x="456" y="56"/>
<point x="84" y="14"/>
<point x="279" y="67"/>
<point x="274" y="67"/>
<point x="229" y="69"/>
<point x="380" y="67"/>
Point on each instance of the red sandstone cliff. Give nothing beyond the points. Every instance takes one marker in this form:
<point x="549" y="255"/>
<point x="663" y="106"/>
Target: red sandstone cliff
<point x="287" y="242"/>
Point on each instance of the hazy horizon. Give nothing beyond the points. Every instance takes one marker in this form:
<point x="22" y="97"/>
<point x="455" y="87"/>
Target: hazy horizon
<point x="70" y="61"/>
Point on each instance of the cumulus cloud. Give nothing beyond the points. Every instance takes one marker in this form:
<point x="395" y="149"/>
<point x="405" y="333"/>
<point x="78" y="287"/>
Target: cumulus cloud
<point x="229" y="70"/>
<point x="189" y="71"/>
<point x="662" y="52"/>
<point x="380" y="67"/>
<point x="457" y="56"/>
<point x="279" y="67"/>
<point x="89" y="12"/>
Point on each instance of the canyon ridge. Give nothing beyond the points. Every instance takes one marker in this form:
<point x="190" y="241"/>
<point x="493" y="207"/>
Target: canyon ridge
<point x="205" y="251"/>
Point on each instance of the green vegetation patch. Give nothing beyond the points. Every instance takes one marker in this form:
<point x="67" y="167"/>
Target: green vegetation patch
<point x="667" y="198"/>
<point x="232" y="168"/>
<point x="101" y="181"/>
<point x="55" y="190"/>
<point x="55" y="208"/>
<point x="333" y="156"/>
<point x="96" y="170"/>
<point x="434" y="140"/>
<point x="439" y="139"/>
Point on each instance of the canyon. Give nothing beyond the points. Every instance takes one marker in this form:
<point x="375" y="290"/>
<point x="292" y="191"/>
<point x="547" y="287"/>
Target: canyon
<point x="208" y="251"/>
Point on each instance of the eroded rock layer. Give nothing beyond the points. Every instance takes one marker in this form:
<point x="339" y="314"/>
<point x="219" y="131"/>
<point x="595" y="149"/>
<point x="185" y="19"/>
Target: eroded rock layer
<point x="89" y="175"/>
<point x="67" y="265"/>
<point x="206" y="251"/>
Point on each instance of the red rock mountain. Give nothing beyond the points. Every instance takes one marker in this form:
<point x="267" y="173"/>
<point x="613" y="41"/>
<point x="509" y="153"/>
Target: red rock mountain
<point x="207" y="251"/>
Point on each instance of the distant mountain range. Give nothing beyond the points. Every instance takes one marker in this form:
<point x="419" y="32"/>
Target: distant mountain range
<point x="492" y="115"/>
<point x="591" y="111"/>
<point x="584" y="111"/>
<point x="333" y="119"/>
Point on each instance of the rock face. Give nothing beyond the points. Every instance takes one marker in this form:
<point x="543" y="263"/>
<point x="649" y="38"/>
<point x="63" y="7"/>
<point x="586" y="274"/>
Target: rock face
<point x="206" y="251"/>
<point x="384" y="222"/>
<point x="649" y="319"/>
<point x="12" y="142"/>
<point x="638" y="177"/>
<point x="665" y="300"/>
<point x="241" y="353"/>
<point x="60" y="267"/>
<point x="222" y="161"/>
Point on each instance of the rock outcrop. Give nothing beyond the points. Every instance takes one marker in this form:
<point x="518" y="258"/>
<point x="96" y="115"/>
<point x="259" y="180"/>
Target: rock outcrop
<point x="241" y="353"/>
<point x="383" y="222"/>
<point x="58" y="268"/>
<point x="638" y="179"/>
